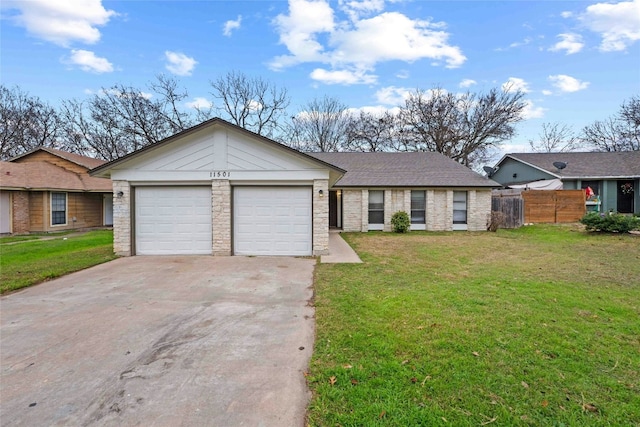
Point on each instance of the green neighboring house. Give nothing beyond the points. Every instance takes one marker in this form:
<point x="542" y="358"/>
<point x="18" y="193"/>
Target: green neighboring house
<point x="614" y="177"/>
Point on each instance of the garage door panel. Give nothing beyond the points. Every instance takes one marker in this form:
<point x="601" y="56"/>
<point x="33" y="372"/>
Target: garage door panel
<point x="173" y="220"/>
<point x="272" y="221"/>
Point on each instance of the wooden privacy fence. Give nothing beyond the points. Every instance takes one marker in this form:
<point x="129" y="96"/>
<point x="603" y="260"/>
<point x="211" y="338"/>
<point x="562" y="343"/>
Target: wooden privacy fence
<point x="553" y="205"/>
<point x="511" y="205"/>
<point x="538" y="206"/>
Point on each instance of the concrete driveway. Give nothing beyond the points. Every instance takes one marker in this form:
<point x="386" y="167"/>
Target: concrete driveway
<point x="160" y="341"/>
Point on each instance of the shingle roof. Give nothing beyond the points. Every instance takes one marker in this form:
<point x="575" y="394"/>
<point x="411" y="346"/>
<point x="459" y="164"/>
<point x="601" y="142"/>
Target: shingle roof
<point x="87" y="162"/>
<point x="416" y="169"/>
<point x="621" y="164"/>
<point x="46" y="176"/>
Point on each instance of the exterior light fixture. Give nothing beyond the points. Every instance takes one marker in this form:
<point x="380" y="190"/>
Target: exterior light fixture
<point x="321" y="193"/>
<point x="120" y="194"/>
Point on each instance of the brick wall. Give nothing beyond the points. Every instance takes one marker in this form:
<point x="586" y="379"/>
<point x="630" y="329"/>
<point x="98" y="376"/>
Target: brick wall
<point x="479" y="209"/>
<point x="221" y="216"/>
<point x="352" y="210"/>
<point x="122" y="218"/>
<point x="320" y="217"/>
<point x="21" y="217"/>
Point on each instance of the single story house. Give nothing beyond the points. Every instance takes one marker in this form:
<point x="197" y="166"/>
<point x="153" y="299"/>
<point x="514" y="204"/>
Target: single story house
<point x="438" y="193"/>
<point x="614" y="177"/>
<point x="219" y="189"/>
<point x="48" y="190"/>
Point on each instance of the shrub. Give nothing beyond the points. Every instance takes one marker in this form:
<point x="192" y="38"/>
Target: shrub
<point x="610" y="223"/>
<point x="400" y="222"/>
<point x="496" y="220"/>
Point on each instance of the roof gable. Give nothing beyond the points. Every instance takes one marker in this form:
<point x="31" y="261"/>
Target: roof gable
<point x="215" y="145"/>
<point x="414" y="169"/>
<point x="77" y="159"/>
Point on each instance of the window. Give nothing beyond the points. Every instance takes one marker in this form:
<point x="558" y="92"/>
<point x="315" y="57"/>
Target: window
<point x="418" y="206"/>
<point x="376" y="209"/>
<point x="58" y="208"/>
<point x="459" y="209"/>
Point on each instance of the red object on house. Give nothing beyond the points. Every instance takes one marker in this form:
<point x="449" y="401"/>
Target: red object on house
<point x="590" y="192"/>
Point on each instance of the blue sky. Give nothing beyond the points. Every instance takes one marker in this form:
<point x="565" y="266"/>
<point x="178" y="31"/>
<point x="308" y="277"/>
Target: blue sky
<point x="577" y="61"/>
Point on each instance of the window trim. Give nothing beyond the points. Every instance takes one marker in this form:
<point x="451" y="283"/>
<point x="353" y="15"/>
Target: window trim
<point x="460" y="225"/>
<point x="418" y="225"/>
<point x="375" y="225"/>
<point x="66" y="208"/>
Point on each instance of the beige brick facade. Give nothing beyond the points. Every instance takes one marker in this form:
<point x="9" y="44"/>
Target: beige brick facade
<point x="439" y="208"/>
<point x="122" y="218"/>
<point x="320" y="217"/>
<point x="221" y="216"/>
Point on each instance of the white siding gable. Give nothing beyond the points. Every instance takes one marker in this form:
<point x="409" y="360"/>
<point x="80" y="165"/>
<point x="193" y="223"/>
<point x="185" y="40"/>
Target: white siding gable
<point x="218" y="149"/>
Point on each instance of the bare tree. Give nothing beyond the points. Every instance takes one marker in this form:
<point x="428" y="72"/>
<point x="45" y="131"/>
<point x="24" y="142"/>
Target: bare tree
<point x="251" y="103"/>
<point x="555" y="137"/>
<point x="370" y="132"/>
<point x="122" y="119"/>
<point x="320" y="125"/>
<point x="464" y="127"/>
<point x="26" y="122"/>
<point x="617" y="133"/>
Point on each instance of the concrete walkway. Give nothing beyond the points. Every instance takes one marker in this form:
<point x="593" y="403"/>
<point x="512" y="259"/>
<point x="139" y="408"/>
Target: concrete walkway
<point x="339" y="251"/>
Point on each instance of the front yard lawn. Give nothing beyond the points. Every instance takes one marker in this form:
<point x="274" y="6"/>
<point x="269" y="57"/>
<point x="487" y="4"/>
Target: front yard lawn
<point x="24" y="263"/>
<point x="535" y="326"/>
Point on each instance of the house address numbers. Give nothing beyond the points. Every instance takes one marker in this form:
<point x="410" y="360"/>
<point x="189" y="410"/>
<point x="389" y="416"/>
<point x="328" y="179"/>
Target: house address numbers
<point x="220" y="174"/>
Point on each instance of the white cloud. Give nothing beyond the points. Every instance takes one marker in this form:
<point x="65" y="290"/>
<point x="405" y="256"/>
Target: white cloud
<point x="311" y="33"/>
<point x="566" y="14"/>
<point x="392" y="95"/>
<point x="532" y="112"/>
<point x="179" y="63"/>
<point x="199" y="102"/>
<point x="62" y="22"/>
<point x="357" y="8"/>
<point x="231" y="25"/>
<point x="569" y="42"/>
<point x="403" y="74"/>
<point x="342" y="76"/>
<point x="375" y="110"/>
<point x="88" y="61"/>
<point x="547" y="92"/>
<point x="566" y="83"/>
<point x="516" y="83"/>
<point x="467" y="83"/>
<point x="618" y="24"/>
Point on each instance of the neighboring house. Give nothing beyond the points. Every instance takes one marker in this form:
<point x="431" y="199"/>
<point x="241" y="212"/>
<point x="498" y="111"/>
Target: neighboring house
<point x="48" y="190"/>
<point x="438" y="193"/>
<point x="614" y="177"/>
<point x="219" y="189"/>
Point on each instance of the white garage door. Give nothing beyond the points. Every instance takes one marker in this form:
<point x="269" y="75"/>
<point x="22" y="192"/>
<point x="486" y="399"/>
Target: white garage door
<point x="272" y="221"/>
<point x="173" y="220"/>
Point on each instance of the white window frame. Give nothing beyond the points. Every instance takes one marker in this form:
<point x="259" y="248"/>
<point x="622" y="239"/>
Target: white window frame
<point x="460" y="225"/>
<point x="418" y="225"/>
<point x="66" y="208"/>
<point x="376" y="226"/>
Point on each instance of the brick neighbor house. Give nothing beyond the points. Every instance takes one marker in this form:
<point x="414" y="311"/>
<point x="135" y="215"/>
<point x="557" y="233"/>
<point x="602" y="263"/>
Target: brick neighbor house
<point x="48" y="190"/>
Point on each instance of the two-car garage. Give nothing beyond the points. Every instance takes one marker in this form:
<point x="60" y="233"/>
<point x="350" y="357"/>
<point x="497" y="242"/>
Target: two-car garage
<point x="267" y="220"/>
<point x="221" y="190"/>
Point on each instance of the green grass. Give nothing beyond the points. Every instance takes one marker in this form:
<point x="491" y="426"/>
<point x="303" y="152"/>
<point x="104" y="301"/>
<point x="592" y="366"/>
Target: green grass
<point x="535" y="326"/>
<point x="29" y="262"/>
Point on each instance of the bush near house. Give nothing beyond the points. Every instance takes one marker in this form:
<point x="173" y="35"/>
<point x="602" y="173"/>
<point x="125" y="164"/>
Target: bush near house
<point x="610" y="223"/>
<point x="400" y="222"/>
